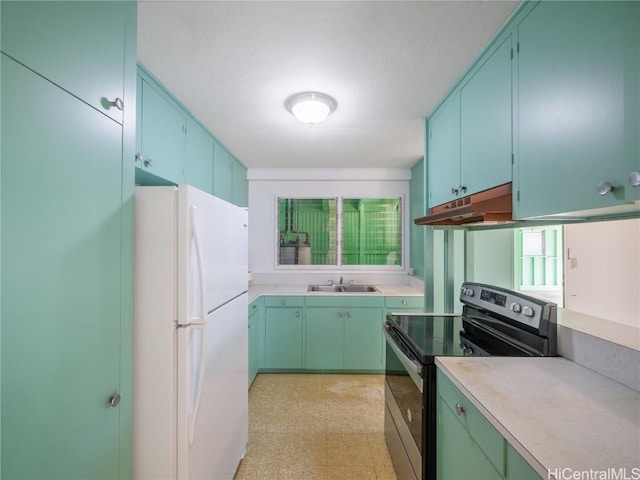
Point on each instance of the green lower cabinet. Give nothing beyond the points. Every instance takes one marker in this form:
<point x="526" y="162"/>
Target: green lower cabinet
<point x="283" y="338"/>
<point x="324" y="335"/>
<point x="468" y="446"/>
<point x="362" y="339"/>
<point x="404" y="304"/>
<point x="518" y="468"/>
<point x="256" y="312"/>
<point x="459" y="457"/>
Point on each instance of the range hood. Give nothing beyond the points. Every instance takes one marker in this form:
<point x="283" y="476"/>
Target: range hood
<point x="490" y="207"/>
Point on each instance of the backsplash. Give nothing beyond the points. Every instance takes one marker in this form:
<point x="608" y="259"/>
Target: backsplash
<point x="608" y="348"/>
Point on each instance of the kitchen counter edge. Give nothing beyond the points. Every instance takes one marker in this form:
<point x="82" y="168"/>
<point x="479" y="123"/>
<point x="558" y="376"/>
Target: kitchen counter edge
<point x="258" y="290"/>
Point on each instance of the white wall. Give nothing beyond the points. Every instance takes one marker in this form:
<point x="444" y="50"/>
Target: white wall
<point x="602" y="270"/>
<point x="265" y="185"/>
<point x="490" y="257"/>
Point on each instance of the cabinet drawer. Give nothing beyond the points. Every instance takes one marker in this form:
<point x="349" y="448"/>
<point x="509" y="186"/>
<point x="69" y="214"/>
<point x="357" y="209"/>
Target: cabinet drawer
<point x="341" y="300"/>
<point x="283" y="301"/>
<point x="480" y="430"/>
<point x="405" y="302"/>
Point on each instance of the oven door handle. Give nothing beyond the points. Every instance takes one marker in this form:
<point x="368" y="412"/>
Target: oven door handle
<point x="413" y="366"/>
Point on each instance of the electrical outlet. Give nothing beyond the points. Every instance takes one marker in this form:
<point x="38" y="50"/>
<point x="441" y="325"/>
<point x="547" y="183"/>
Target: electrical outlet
<point x="573" y="262"/>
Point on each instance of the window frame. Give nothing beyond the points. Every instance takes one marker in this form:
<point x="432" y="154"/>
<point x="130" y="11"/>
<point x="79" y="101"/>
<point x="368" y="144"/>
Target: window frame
<point x="404" y="219"/>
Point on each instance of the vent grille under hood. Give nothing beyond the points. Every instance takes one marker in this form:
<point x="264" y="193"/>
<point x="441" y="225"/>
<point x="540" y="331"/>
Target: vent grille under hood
<point x="493" y="206"/>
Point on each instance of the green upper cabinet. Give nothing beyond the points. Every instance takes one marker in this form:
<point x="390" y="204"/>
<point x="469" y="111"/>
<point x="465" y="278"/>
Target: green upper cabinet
<point x="65" y="42"/>
<point x="444" y="151"/>
<point x="229" y="177"/>
<point x="485" y="124"/>
<point x="578" y="107"/>
<point x="240" y="185"/>
<point x="470" y="133"/>
<point x="173" y="147"/>
<point x="199" y="157"/>
<point x="222" y="173"/>
<point x="162" y="136"/>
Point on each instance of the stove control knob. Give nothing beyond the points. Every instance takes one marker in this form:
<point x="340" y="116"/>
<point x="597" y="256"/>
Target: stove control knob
<point x="468" y="292"/>
<point x="516" y="307"/>
<point x="528" y="311"/>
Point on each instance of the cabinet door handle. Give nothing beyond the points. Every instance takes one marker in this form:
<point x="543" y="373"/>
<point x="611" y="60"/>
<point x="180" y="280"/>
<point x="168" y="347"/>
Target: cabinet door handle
<point x="148" y="162"/>
<point x="283" y="302"/>
<point x="634" y="179"/>
<point x="348" y="314"/>
<point x="114" y="400"/>
<point x="463" y="189"/>
<point x="454" y="191"/>
<point x="404" y="302"/>
<point x="604" y="188"/>
<point x="340" y="314"/>
<point x="297" y="313"/>
<point x="118" y="103"/>
<point x="459" y="409"/>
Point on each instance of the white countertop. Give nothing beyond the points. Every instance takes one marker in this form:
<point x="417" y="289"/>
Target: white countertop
<point x="385" y="290"/>
<point x="618" y="333"/>
<point x="554" y="412"/>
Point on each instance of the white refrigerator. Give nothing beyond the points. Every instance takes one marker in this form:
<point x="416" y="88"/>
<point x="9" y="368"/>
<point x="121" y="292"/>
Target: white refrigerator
<point x="190" y="405"/>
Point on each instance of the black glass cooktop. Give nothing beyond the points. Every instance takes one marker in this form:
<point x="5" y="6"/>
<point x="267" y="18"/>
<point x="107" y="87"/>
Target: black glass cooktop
<point x="430" y="335"/>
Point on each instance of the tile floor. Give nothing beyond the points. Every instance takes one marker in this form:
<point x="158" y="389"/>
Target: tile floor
<point x="316" y="426"/>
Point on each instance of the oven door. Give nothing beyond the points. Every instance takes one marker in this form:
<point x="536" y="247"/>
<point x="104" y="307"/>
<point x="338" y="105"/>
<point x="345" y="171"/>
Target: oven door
<point x="404" y="406"/>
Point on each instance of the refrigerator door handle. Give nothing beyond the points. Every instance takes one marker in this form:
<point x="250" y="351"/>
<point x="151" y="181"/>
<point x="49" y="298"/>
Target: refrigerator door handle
<point x="200" y="325"/>
<point x="196" y="242"/>
<point x="201" y="361"/>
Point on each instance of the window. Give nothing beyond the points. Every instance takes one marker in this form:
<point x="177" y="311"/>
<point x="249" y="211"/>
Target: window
<point x="538" y="262"/>
<point x="340" y="231"/>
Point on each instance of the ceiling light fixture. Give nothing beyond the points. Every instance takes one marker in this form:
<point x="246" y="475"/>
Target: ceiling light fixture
<point x="310" y="107"/>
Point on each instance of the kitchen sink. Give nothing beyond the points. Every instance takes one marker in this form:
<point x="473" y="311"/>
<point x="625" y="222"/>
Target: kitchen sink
<point x="359" y="288"/>
<point x="324" y="288"/>
<point x="343" y="288"/>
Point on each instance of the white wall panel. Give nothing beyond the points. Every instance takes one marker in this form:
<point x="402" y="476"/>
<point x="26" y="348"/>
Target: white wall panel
<point x="602" y="270"/>
<point x="265" y="188"/>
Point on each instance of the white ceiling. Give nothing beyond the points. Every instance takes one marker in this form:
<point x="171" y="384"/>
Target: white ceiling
<point x="387" y="63"/>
